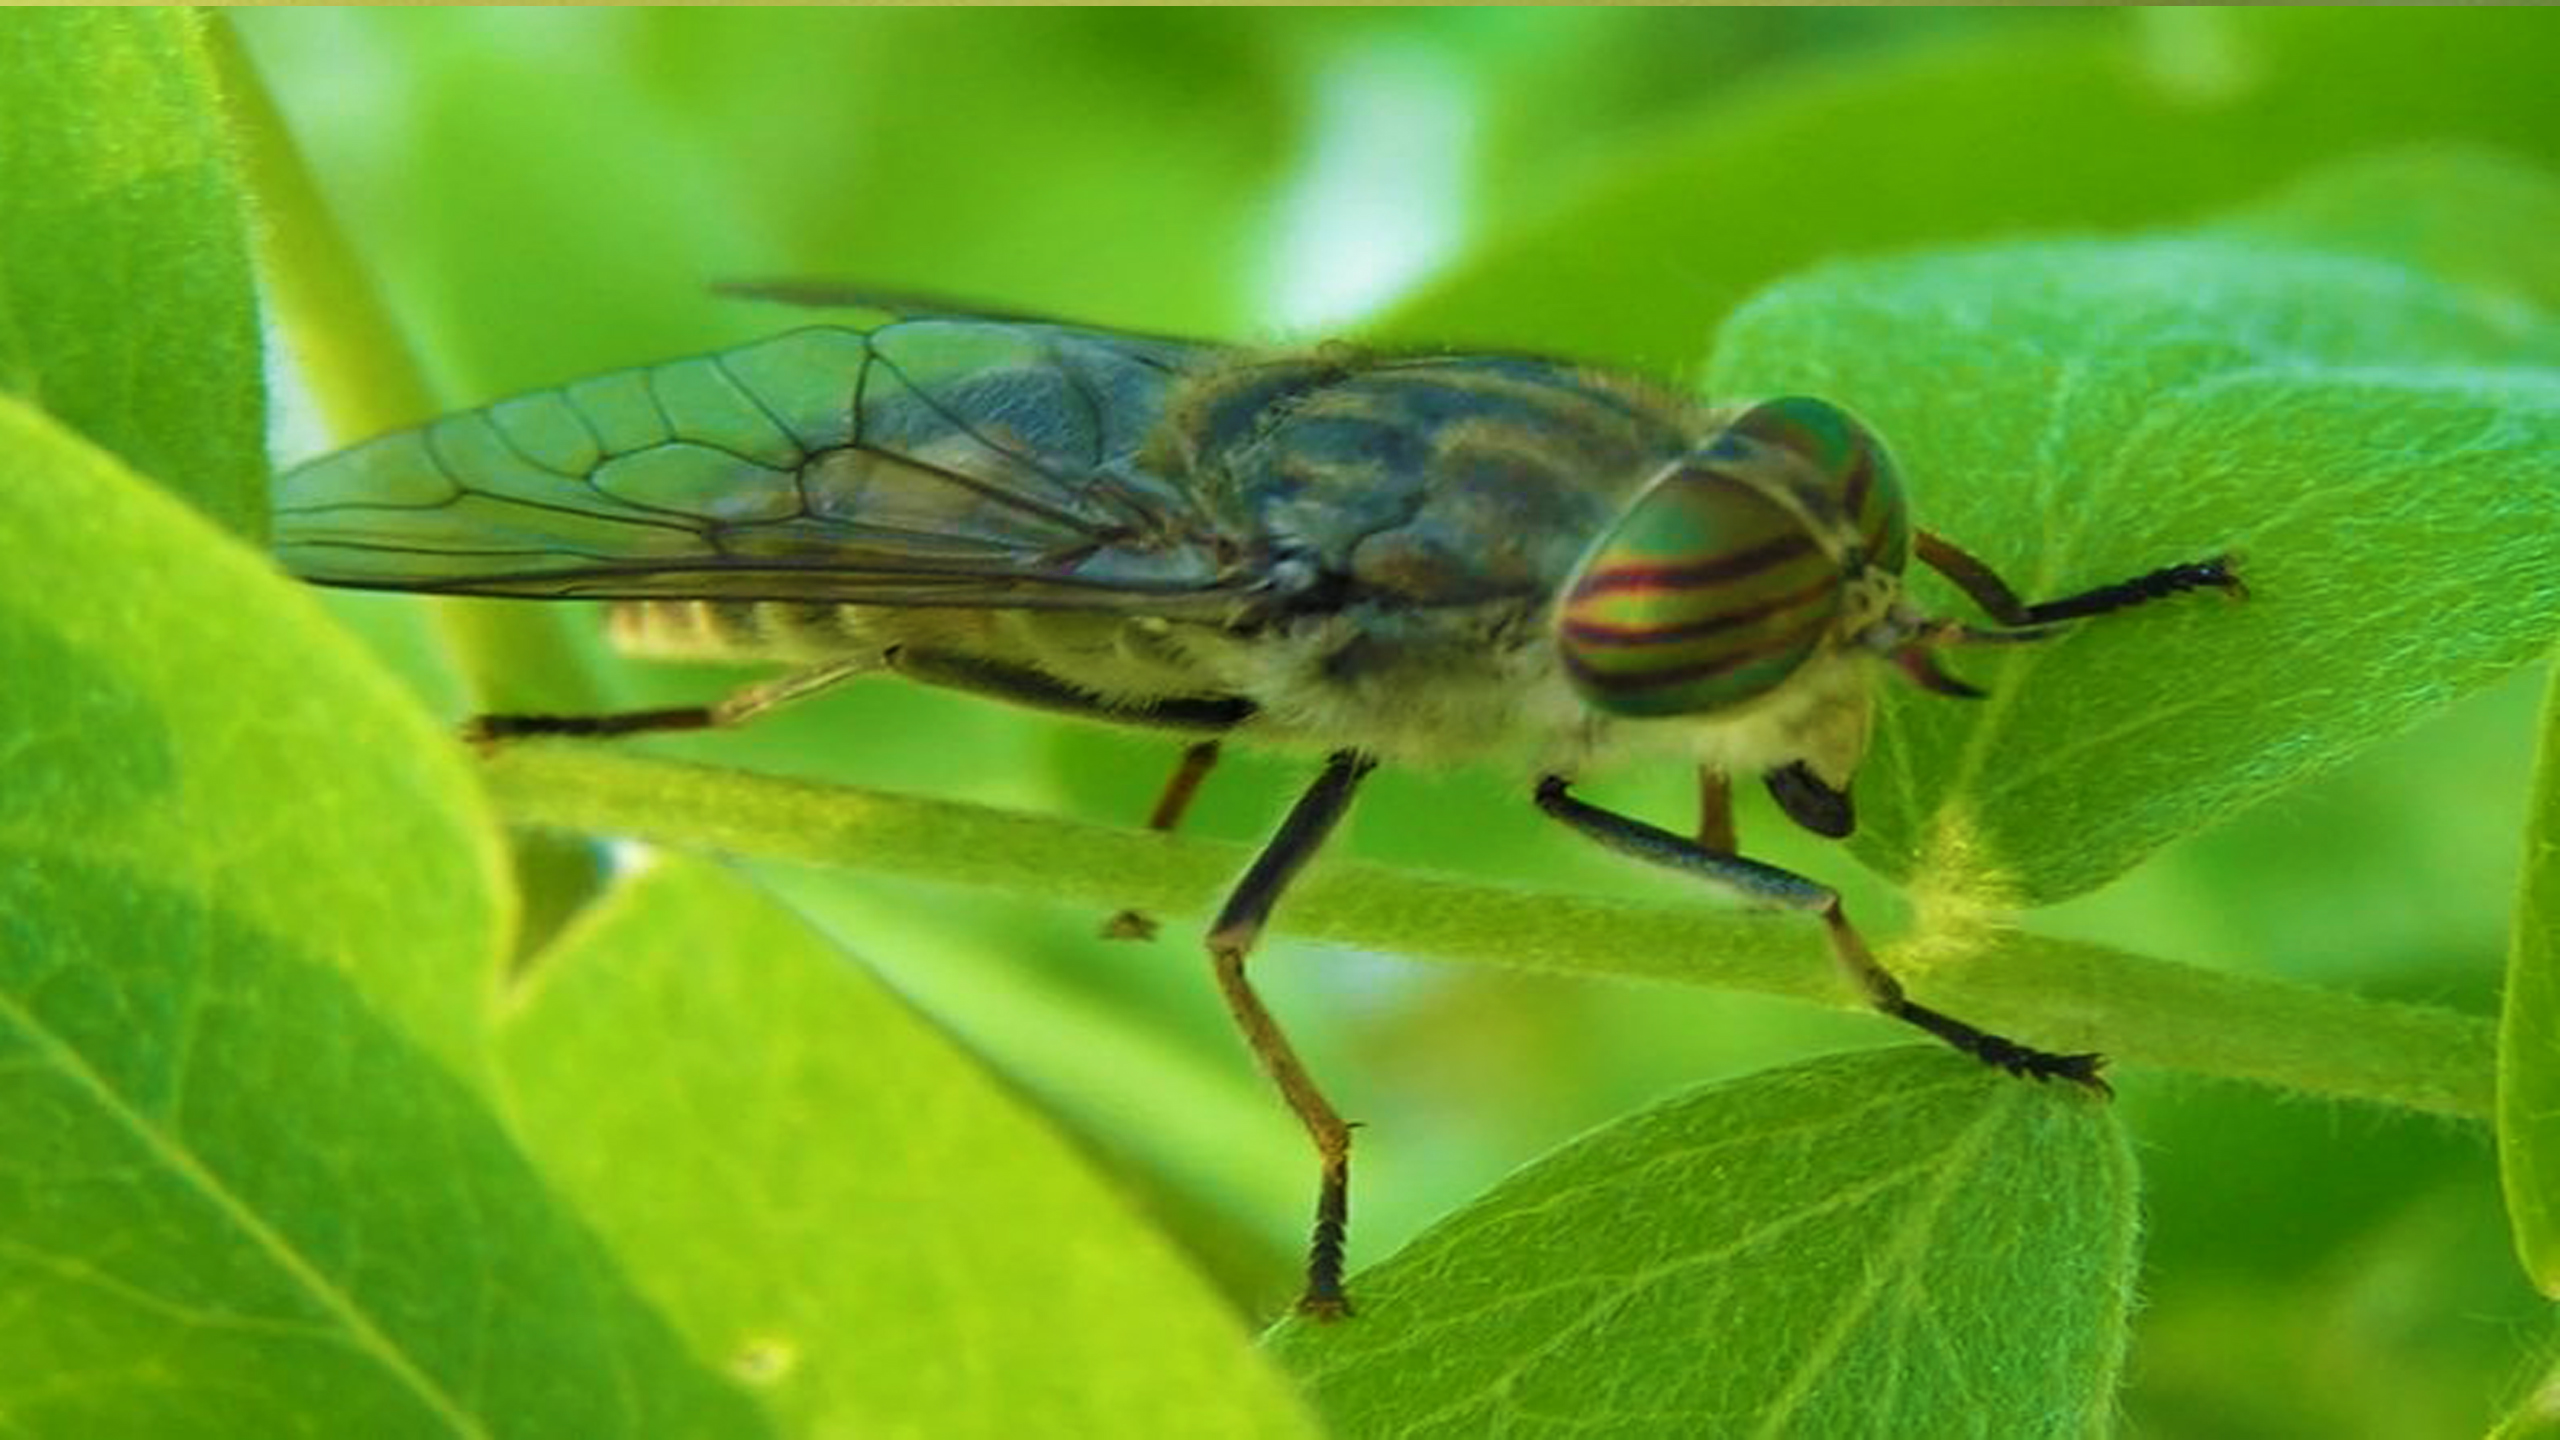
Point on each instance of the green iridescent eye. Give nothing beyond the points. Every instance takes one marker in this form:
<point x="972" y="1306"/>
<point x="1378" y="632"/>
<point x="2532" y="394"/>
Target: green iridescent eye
<point x="1848" y="463"/>
<point x="1717" y="584"/>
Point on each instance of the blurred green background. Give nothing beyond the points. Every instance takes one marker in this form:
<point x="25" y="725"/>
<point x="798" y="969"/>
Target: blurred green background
<point x="542" y="194"/>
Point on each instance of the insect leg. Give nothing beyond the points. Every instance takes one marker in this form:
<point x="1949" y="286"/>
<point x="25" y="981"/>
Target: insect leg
<point x="1198" y="758"/>
<point x="1809" y="801"/>
<point x="1035" y="690"/>
<point x="1239" y="924"/>
<point x="1993" y="594"/>
<point x="735" y="709"/>
<point x="1784" y="889"/>
<point x="1715" y="809"/>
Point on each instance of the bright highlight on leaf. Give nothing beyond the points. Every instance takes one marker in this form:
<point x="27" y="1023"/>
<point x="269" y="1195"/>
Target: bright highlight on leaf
<point x="1870" y="1244"/>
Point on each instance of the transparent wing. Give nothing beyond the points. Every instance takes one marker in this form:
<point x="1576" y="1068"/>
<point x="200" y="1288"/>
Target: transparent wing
<point x="929" y="461"/>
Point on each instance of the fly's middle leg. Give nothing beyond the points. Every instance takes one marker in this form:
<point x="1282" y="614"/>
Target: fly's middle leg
<point x="1784" y="889"/>
<point x="1230" y="940"/>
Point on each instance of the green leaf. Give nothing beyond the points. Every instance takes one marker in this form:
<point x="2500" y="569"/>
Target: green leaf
<point x="1869" y="1244"/>
<point x="249" y="928"/>
<point x="2144" y="121"/>
<point x="837" y="1206"/>
<point x="2374" y="444"/>
<point x="126" y="304"/>
<point x="2529" y="1030"/>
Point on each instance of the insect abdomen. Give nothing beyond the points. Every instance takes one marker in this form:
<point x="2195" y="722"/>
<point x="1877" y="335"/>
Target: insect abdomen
<point x="729" y="631"/>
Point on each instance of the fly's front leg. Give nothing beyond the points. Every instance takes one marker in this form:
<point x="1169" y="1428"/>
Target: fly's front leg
<point x="1198" y="759"/>
<point x="1239" y="924"/>
<point x="2001" y="603"/>
<point x="735" y="709"/>
<point x="1784" y="889"/>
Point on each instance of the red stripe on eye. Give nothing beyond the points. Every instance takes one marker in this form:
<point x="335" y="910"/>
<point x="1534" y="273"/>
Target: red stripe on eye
<point x="1608" y="635"/>
<point x="1692" y="573"/>
<point x="1666" y="677"/>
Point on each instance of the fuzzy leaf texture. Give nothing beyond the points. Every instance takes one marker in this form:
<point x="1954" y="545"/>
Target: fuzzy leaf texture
<point x="125" y="301"/>
<point x="2374" y="443"/>
<point x="1866" y="1245"/>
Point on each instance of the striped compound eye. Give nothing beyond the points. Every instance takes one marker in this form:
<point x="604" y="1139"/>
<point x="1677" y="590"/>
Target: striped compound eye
<point x="1711" y="590"/>
<point x="1839" y="459"/>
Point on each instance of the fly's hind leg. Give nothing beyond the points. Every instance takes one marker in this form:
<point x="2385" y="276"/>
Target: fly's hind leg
<point x="1198" y="759"/>
<point x="1784" y="889"/>
<point x="735" y="709"/>
<point x="1239" y="924"/>
<point x="1172" y="803"/>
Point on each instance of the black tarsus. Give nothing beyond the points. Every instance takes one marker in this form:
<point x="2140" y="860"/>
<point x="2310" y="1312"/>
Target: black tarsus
<point x="1986" y="589"/>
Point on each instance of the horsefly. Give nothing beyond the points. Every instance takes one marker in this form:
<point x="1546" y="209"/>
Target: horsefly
<point x="1375" y="558"/>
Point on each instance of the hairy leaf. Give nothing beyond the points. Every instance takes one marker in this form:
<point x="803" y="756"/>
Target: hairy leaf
<point x="1873" y="1244"/>
<point x="126" y="304"/>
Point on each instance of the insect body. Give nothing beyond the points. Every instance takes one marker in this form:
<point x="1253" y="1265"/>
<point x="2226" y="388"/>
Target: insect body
<point x="1379" y="558"/>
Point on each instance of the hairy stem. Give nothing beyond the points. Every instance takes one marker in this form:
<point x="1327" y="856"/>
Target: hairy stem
<point x="2139" y="1010"/>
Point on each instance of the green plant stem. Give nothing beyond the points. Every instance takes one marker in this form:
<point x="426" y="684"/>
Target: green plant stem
<point x="2141" y="1010"/>
<point x="350" y="349"/>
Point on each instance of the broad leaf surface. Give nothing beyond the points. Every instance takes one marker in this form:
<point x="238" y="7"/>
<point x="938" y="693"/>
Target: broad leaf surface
<point x="2373" y="443"/>
<point x="2529" y="1031"/>
<point x="248" y="922"/>
<point x="126" y="304"/>
<point x="837" y="1206"/>
<point x="1868" y="1245"/>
